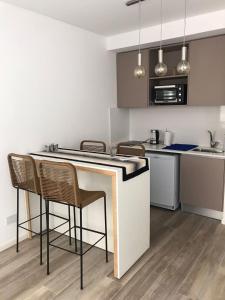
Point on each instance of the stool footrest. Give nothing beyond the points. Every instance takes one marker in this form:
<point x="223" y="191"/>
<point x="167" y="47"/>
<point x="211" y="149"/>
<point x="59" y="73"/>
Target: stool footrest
<point x="87" y="229"/>
<point x="63" y="233"/>
<point x="73" y="252"/>
<point x="38" y="233"/>
<point x="57" y="216"/>
<point x="58" y="226"/>
<point x="29" y="230"/>
<point x="31" y="219"/>
<point x="93" y="245"/>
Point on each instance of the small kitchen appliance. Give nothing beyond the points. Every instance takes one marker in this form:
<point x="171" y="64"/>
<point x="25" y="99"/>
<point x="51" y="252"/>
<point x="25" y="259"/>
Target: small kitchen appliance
<point x="174" y="94"/>
<point x="154" y="137"/>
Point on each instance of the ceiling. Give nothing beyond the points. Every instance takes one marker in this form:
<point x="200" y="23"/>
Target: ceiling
<point x="109" y="17"/>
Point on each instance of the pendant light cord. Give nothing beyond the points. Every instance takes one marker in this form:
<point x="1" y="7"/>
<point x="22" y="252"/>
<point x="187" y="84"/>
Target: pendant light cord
<point x="139" y="21"/>
<point x="185" y="21"/>
<point x="161" y="27"/>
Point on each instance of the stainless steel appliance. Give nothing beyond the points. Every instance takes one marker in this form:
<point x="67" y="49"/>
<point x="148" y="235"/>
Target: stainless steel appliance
<point x="175" y="94"/>
<point x="164" y="183"/>
<point x="154" y="137"/>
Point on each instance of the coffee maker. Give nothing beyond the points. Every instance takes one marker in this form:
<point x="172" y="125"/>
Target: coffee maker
<point x="154" y="136"/>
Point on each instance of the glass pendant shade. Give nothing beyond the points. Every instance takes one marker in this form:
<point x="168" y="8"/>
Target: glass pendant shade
<point x="183" y="68"/>
<point x="160" y="68"/>
<point x="139" y="71"/>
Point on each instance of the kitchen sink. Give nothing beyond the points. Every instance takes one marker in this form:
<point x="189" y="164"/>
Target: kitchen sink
<point x="208" y="150"/>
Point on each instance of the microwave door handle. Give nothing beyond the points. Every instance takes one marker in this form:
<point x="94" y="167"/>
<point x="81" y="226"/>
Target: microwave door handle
<point x="165" y="101"/>
<point x="164" y="87"/>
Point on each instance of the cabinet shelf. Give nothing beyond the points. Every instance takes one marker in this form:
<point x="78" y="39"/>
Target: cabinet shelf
<point x="168" y="77"/>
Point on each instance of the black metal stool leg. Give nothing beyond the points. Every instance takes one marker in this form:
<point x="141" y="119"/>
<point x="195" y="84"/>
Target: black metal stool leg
<point x="70" y="240"/>
<point x="75" y="231"/>
<point x="17" y="221"/>
<point x="106" y="240"/>
<point x="47" y="226"/>
<point x="81" y="252"/>
<point x="41" y="230"/>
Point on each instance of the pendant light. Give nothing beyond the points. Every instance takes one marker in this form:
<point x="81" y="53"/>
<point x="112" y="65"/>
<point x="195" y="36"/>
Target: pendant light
<point x="161" y="67"/>
<point x="139" y="71"/>
<point x="183" y="67"/>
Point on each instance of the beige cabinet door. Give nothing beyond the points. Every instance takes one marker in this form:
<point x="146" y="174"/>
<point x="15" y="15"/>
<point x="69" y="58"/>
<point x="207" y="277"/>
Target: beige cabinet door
<point x="202" y="182"/>
<point x="207" y="76"/>
<point x="132" y="92"/>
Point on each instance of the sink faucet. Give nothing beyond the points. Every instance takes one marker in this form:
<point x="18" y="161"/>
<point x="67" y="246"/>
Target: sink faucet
<point x="213" y="143"/>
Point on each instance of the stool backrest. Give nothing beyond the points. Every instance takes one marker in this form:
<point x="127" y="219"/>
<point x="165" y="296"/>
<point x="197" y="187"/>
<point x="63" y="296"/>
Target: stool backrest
<point x="23" y="173"/>
<point x="59" y="182"/>
<point x="93" y="146"/>
<point x="135" y="150"/>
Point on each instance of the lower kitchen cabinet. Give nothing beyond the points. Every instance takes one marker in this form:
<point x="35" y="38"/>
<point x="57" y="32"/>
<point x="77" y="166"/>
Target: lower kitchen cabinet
<point x="202" y="182"/>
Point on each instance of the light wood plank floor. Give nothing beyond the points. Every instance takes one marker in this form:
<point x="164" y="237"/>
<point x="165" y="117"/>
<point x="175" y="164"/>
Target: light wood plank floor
<point x="186" y="262"/>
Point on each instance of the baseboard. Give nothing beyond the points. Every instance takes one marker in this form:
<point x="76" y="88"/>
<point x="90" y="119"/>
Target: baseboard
<point x="12" y="242"/>
<point x="210" y="213"/>
<point x="177" y="204"/>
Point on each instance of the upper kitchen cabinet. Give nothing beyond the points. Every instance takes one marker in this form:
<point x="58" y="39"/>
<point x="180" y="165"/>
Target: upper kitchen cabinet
<point x="132" y="92"/>
<point x="207" y="76"/>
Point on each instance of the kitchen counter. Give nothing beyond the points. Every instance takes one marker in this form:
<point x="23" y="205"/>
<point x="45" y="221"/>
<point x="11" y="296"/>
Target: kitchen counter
<point x="159" y="148"/>
<point x="201" y="181"/>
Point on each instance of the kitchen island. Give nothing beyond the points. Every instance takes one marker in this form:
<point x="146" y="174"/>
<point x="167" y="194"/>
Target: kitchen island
<point x="126" y="182"/>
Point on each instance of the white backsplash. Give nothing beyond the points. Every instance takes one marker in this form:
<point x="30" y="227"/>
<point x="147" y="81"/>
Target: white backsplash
<point x="119" y="125"/>
<point x="189" y="124"/>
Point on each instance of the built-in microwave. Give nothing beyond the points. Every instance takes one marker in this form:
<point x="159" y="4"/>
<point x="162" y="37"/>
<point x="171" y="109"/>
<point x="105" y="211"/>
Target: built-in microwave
<point x="174" y="94"/>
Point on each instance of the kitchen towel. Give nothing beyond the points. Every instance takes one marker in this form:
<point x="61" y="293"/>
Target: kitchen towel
<point x="180" y="147"/>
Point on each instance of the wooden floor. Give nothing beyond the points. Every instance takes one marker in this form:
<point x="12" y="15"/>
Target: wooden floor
<point x="186" y="261"/>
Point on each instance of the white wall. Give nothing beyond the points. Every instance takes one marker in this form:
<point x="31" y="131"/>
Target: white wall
<point x="57" y="83"/>
<point x="198" y="26"/>
<point x="189" y="124"/>
<point x="119" y="125"/>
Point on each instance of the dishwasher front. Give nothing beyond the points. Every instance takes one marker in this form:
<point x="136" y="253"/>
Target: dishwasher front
<point x="164" y="180"/>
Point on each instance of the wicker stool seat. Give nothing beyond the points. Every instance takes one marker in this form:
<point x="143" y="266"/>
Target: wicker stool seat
<point x="87" y="197"/>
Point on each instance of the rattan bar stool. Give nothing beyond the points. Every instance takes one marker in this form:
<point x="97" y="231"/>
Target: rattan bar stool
<point x="93" y="146"/>
<point x="59" y="183"/>
<point x="24" y="177"/>
<point x="131" y="149"/>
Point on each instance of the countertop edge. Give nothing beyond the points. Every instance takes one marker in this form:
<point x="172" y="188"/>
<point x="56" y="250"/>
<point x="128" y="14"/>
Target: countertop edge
<point x="156" y="148"/>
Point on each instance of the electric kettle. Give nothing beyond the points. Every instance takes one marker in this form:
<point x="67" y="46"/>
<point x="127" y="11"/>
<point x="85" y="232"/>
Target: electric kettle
<point x="154" y="136"/>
